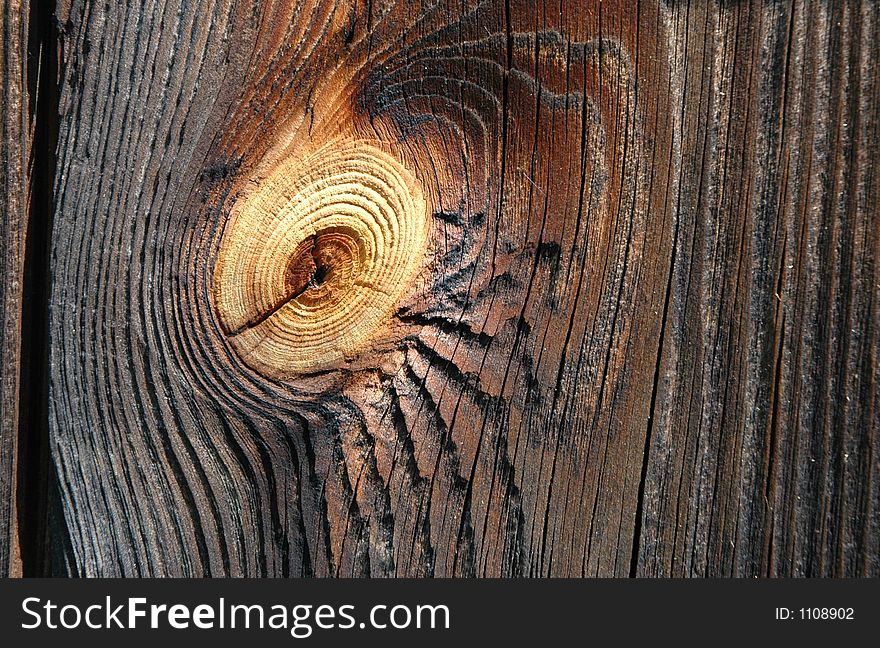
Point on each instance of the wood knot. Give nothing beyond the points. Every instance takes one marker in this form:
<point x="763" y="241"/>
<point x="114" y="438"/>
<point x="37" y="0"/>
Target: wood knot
<point x="315" y="259"/>
<point x="324" y="267"/>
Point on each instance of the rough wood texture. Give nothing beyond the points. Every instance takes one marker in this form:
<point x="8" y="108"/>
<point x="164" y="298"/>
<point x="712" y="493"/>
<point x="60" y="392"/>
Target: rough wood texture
<point x="644" y="340"/>
<point x="763" y="456"/>
<point x="14" y="156"/>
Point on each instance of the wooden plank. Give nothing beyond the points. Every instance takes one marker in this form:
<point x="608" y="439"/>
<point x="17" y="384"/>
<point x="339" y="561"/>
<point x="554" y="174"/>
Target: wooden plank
<point x="641" y="337"/>
<point x="764" y="448"/>
<point x="14" y="156"/>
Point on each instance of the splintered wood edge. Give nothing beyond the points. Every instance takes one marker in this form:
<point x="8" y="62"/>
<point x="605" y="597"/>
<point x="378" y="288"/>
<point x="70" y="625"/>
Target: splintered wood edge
<point x="315" y="258"/>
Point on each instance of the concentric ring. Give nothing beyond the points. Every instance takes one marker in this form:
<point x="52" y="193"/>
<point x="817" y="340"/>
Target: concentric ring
<point x="317" y="256"/>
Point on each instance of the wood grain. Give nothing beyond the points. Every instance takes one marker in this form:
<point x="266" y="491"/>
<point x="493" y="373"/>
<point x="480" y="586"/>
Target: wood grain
<point x="14" y="156"/>
<point x="317" y="258"/>
<point x="643" y="339"/>
<point x="763" y="456"/>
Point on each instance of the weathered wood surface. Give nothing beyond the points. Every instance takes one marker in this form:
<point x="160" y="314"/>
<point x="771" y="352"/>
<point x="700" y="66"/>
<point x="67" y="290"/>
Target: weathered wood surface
<point x="14" y="155"/>
<point x="643" y="339"/>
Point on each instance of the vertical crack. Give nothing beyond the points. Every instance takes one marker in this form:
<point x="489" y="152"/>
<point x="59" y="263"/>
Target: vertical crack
<point x="33" y="496"/>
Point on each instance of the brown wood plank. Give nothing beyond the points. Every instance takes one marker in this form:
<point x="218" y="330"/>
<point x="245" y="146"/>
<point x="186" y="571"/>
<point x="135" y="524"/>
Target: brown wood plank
<point x="764" y="447"/>
<point x="642" y="338"/>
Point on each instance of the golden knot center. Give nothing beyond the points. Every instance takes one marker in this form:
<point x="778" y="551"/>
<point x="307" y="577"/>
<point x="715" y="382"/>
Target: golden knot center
<point x="315" y="259"/>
